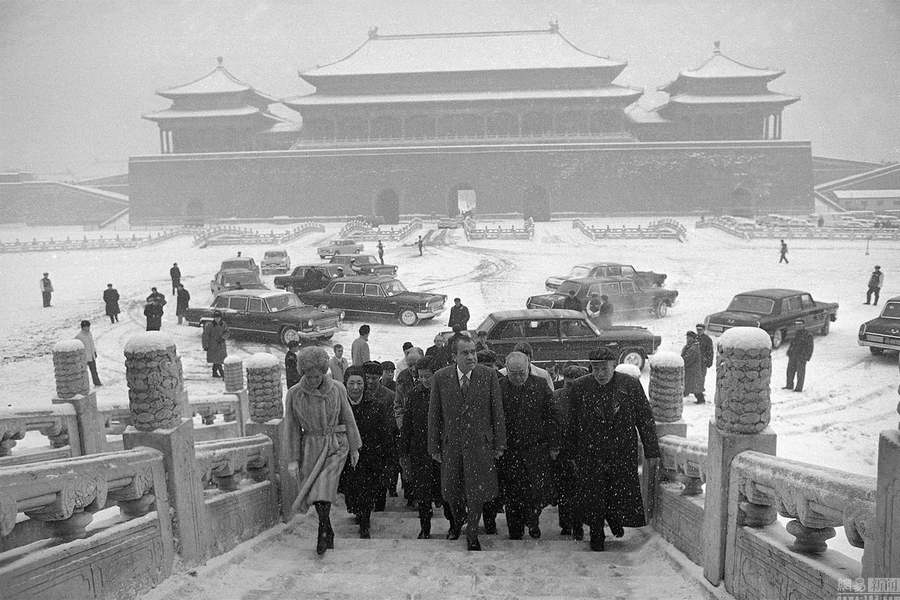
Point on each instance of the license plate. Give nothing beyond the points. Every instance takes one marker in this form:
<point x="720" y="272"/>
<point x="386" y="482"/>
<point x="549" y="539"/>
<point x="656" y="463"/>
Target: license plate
<point x="875" y="338"/>
<point x="892" y="341"/>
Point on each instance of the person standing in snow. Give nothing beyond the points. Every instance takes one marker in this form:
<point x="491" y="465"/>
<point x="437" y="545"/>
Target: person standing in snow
<point x="783" y="258"/>
<point x="175" y="275"/>
<point x="876" y="280"/>
<point x="154" y="312"/>
<point x="459" y="316"/>
<point x="604" y="321"/>
<point x="693" y="367"/>
<point x="46" y="289"/>
<point x="111" y="300"/>
<point x="380" y="247"/>
<point x="799" y="353"/>
<point x="420" y="243"/>
<point x="214" y="335"/>
<point x="359" y="349"/>
<point x="183" y="298"/>
<point x="90" y="352"/>
<point x="291" y="373"/>
<point x="707" y="353"/>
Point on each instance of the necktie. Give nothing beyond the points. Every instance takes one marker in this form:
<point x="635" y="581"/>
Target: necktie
<point x="464" y="385"/>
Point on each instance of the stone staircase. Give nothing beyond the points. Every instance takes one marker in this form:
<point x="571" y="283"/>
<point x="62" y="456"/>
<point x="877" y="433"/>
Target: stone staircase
<point x="393" y="564"/>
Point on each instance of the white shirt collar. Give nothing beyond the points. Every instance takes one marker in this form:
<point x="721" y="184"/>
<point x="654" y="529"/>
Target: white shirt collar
<point x="459" y="374"/>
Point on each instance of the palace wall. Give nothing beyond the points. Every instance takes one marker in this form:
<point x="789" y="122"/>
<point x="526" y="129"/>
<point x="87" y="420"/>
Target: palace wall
<point x="658" y="178"/>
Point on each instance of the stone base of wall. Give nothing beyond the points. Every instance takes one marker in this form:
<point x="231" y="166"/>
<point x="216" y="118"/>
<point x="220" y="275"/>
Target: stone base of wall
<point x="237" y="516"/>
<point x="764" y="569"/>
<point x="679" y="519"/>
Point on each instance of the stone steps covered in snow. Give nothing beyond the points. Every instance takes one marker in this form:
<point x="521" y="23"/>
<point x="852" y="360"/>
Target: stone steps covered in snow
<point x="393" y="564"/>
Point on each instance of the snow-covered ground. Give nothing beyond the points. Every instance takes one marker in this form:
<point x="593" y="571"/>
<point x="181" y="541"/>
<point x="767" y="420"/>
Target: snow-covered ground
<point x="849" y="396"/>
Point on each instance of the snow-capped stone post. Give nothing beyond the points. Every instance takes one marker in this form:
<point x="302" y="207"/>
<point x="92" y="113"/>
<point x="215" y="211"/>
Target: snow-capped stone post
<point x="266" y="414"/>
<point x="233" y="369"/>
<point x="882" y="555"/>
<point x="152" y="374"/>
<point x="666" y="393"/>
<point x="743" y="409"/>
<point x="71" y="374"/>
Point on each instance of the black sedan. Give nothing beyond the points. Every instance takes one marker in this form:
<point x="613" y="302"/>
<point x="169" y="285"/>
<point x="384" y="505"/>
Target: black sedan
<point x="626" y="296"/>
<point x="775" y="310"/>
<point x="377" y="295"/>
<point x="883" y="332"/>
<point x="270" y="313"/>
<point x="565" y="335"/>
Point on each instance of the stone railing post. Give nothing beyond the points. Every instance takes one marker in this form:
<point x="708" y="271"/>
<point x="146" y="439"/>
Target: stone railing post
<point x="666" y="393"/>
<point x="71" y="374"/>
<point x="266" y="416"/>
<point x="152" y="373"/>
<point x="743" y="410"/>
<point x="233" y="368"/>
<point x="882" y="557"/>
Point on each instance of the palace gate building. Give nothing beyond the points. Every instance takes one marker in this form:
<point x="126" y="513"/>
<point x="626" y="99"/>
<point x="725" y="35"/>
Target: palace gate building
<point x="518" y="122"/>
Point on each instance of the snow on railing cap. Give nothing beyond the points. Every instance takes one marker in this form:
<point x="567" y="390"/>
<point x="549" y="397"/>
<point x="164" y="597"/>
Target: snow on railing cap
<point x="745" y="338"/>
<point x="231" y="359"/>
<point x="629" y="369"/>
<point x="666" y="359"/>
<point x="68" y="346"/>
<point x="261" y="360"/>
<point x="149" y="341"/>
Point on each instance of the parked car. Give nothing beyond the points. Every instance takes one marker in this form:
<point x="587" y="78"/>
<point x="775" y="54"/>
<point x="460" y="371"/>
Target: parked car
<point x="775" y="310"/>
<point x="565" y="335"/>
<point x="644" y="279"/>
<point x="339" y="247"/>
<point x="362" y="264"/>
<point x="377" y="295"/>
<point x="883" y="332"/>
<point x="625" y="295"/>
<point x="303" y="278"/>
<point x="239" y="262"/>
<point x="236" y="279"/>
<point x="275" y="261"/>
<point x="271" y="313"/>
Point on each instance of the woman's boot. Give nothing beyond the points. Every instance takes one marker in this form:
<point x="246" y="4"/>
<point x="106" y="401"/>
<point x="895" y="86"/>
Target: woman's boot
<point x="329" y="532"/>
<point x="364" y="521"/>
<point x="425" y="513"/>
<point x="322" y="509"/>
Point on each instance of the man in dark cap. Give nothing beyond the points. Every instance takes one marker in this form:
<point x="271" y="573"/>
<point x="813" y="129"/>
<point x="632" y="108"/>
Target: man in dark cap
<point x="876" y="280"/>
<point x="799" y="353"/>
<point x="707" y="353"/>
<point x="384" y="397"/>
<point x="572" y="302"/>
<point x="608" y="411"/>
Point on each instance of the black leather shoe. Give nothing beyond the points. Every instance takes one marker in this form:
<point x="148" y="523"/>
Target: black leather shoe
<point x="454" y="532"/>
<point x="617" y="530"/>
<point x="597" y="544"/>
<point x="490" y="526"/>
<point x="534" y="532"/>
<point x="473" y="545"/>
<point x="578" y="533"/>
<point x="788" y="387"/>
<point x="515" y="534"/>
<point x="798" y="389"/>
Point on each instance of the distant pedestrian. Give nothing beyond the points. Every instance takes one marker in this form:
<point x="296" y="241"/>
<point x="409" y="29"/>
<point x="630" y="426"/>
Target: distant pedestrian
<point x="693" y="367"/>
<point x="183" y="299"/>
<point x="338" y="363"/>
<point x="707" y="353"/>
<point x="214" y="335"/>
<point x="154" y="312"/>
<point x="291" y="373"/>
<point x="605" y="320"/>
<point x="420" y="242"/>
<point x="175" y="274"/>
<point x="90" y="352"/>
<point x="111" y="300"/>
<point x="799" y="353"/>
<point x="47" y="287"/>
<point x="380" y="247"/>
<point x="156" y="296"/>
<point x="876" y="280"/>
<point x="783" y="258"/>
<point x="459" y="316"/>
<point x="571" y="302"/>
<point x="359" y="350"/>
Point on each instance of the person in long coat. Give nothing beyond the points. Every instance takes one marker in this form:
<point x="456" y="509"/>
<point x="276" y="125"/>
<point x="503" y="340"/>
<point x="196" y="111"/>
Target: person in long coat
<point x="563" y="473"/>
<point x="373" y="371"/>
<point x="707" y="352"/>
<point x="362" y="484"/>
<point x="609" y="410"/>
<point x="799" y="353"/>
<point x="466" y="434"/>
<point x="111" y="300"/>
<point x="214" y="335"/>
<point x="532" y="439"/>
<point x="320" y="434"/>
<point x="154" y="313"/>
<point x="693" y="367"/>
<point x="423" y="475"/>
<point x="183" y="298"/>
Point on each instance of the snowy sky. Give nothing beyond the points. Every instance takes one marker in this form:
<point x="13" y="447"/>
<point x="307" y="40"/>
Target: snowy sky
<point x="76" y="76"/>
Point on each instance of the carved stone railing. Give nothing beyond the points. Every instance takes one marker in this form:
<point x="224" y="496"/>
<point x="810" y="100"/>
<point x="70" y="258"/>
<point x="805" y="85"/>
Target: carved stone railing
<point x="817" y="498"/>
<point x="59" y="423"/>
<point x="226" y="235"/>
<point x="98" y="243"/>
<point x="473" y="232"/>
<point x="656" y="230"/>
<point x="684" y="460"/>
<point x="363" y="231"/>
<point x="748" y="230"/>
<point x="223" y="463"/>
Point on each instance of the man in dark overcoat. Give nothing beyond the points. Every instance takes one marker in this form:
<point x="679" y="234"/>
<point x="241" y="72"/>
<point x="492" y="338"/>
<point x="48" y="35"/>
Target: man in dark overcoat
<point x="707" y="353"/>
<point x="609" y="411"/>
<point x="111" y="300"/>
<point x="175" y="276"/>
<point x="459" y="316"/>
<point x="693" y="367"/>
<point x="373" y="371"/>
<point x="154" y="313"/>
<point x="466" y="434"/>
<point x="183" y="298"/>
<point x="799" y="353"/>
<point x="532" y="440"/>
<point x="563" y="473"/>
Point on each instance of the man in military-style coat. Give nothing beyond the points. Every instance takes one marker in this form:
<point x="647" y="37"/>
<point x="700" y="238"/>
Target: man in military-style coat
<point x="466" y="434"/>
<point x="609" y="411"/>
<point x="799" y="353"/>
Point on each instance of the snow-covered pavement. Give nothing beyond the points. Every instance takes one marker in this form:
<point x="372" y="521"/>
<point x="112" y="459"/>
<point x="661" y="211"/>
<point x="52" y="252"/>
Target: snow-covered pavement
<point x="850" y="395"/>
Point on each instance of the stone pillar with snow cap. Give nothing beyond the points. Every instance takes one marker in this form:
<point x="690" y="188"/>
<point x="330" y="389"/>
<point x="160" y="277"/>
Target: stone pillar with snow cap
<point x="71" y="374"/>
<point x="152" y="374"/>
<point x="233" y="367"/>
<point x="264" y="387"/>
<point x="629" y="369"/>
<point x="743" y="410"/>
<point x="666" y="393"/>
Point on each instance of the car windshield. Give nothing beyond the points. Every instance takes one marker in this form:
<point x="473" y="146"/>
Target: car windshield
<point x="366" y="260"/>
<point x="275" y="254"/>
<point x="566" y="286"/>
<point x="752" y="304"/>
<point x="579" y="271"/>
<point x="486" y="325"/>
<point x="393" y="287"/>
<point x="283" y="302"/>
<point x="892" y="310"/>
<point x="242" y="277"/>
<point x="235" y="264"/>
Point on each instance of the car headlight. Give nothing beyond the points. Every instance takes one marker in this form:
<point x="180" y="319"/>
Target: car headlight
<point x="862" y="330"/>
<point x="341" y="316"/>
<point x="309" y="323"/>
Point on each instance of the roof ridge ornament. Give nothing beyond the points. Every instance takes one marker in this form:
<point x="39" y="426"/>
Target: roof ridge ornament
<point x="716" y="49"/>
<point x="373" y="33"/>
<point x="554" y="25"/>
<point x="219" y="59"/>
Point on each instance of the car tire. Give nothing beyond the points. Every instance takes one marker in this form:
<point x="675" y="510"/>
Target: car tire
<point x="876" y="351"/>
<point x="777" y="339"/>
<point x="632" y="357"/>
<point x="826" y="327"/>
<point x="408" y="317"/>
<point x="661" y="310"/>
<point x="289" y="333"/>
